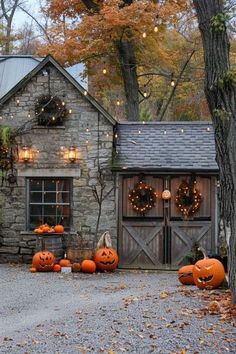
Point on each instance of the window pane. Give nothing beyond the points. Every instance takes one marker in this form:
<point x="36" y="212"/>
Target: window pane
<point x="49" y="210"/>
<point x="36" y="210"/>
<point x="50" y="185"/>
<point x="49" y="197"/>
<point x="63" y="197"/>
<point x="35" y="221"/>
<point x="50" y="220"/>
<point x="63" y="185"/>
<point x="35" y="197"/>
<point x="35" y="185"/>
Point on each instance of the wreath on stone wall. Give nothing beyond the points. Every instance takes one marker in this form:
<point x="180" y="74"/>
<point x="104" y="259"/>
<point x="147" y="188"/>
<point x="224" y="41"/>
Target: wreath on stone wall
<point x="188" y="199"/>
<point x="142" y="198"/>
<point x="50" y="110"/>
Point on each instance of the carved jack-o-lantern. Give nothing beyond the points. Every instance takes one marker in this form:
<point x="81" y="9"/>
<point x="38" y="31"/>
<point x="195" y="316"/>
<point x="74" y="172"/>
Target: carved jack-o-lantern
<point x="166" y="194"/>
<point x="208" y="273"/>
<point x="43" y="261"/>
<point x="106" y="259"/>
<point x="185" y="275"/>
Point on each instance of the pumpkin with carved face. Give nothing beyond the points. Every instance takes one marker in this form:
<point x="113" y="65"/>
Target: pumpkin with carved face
<point x="208" y="273"/>
<point x="106" y="259"/>
<point x="43" y="261"/>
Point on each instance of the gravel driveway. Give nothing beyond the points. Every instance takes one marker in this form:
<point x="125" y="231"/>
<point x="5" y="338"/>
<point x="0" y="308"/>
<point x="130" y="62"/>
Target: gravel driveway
<point x="133" y="312"/>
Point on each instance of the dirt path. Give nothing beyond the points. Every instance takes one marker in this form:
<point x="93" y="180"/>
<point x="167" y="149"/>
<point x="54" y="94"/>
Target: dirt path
<point x="133" y="312"/>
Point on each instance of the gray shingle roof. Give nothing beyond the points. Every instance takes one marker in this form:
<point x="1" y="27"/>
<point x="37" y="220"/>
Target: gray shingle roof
<point x="166" y="146"/>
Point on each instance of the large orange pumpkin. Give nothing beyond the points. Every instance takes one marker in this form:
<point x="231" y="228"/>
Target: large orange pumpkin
<point x="185" y="275"/>
<point x="106" y="259"/>
<point x="59" y="229"/>
<point x="88" y="266"/>
<point x="208" y="273"/>
<point x="43" y="261"/>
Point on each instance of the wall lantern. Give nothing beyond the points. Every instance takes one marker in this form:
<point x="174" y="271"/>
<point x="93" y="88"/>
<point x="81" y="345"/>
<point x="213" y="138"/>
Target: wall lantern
<point x="25" y="154"/>
<point x="72" y="154"/>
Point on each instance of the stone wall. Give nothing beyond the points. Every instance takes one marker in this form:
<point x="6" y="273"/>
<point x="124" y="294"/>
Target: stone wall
<point x="94" y="147"/>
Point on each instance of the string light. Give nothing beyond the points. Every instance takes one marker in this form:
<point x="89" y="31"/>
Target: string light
<point x="116" y="135"/>
<point x="144" y="35"/>
<point x="63" y="103"/>
<point x="182" y="131"/>
<point x="17" y="101"/>
<point x="87" y="141"/>
<point x="70" y="111"/>
<point x="107" y="135"/>
<point x="53" y="118"/>
<point x="87" y="129"/>
<point x="139" y="131"/>
<point x="145" y="94"/>
<point x="172" y="83"/>
<point x="208" y="129"/>
<point x="118" y="103"/>
<point x="85" y="93"/>
<point x="164" y="132"/>
<point x="155" y="29"/>
<point x="104" y="71"/>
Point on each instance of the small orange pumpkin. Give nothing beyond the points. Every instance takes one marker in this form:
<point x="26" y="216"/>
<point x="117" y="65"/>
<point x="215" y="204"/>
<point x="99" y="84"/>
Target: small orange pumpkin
<point x="185" y="275"/>
<point x="65" y="263"/>
<point x="45" y="229"/>
<point x="59" y="229"/>
<point x="43" y="261"/>
<point x="33" y="270"/>
<point x="88" y="266"/>
<point x="106" y="259"/>
<point x="208" y="272"/>
<point x="38" y="231"/>
<point x="57" y="268"/>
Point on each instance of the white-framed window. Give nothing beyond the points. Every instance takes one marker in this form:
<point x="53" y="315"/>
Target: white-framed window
<point x="49" y="202"/>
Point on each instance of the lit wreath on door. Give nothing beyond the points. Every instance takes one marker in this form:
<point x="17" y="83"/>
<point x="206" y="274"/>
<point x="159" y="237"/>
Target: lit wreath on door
<point x="142" y="198"/>
<point x="188" y="199"/>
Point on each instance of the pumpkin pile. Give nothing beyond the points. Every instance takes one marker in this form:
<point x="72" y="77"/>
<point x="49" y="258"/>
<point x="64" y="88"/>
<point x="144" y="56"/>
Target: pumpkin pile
<point x="46" y="229"/>
<point x="207" y="273"/>
<point x="105" y="258"/>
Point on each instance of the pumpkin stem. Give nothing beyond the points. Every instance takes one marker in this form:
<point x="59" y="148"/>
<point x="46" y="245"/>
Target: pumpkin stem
<point x="203" y="252"/>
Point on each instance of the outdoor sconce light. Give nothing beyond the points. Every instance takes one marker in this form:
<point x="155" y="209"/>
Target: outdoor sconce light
<point x="25" y="154"/>
<point x="72" y="154"/>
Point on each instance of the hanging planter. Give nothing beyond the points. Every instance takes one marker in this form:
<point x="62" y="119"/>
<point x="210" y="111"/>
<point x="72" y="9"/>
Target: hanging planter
<point x="50" y="111"/>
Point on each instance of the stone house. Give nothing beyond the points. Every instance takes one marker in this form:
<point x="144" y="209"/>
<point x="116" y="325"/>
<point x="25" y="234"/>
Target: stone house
<point x="57" y="176"/>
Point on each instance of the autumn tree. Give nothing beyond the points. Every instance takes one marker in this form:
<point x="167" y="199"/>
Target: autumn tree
<point x="220" y="90"/>
<point x="120" y="38"/>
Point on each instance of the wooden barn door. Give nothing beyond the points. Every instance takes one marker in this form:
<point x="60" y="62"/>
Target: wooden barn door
<point x="161" y="239"/>
<point x="140" y="238"/>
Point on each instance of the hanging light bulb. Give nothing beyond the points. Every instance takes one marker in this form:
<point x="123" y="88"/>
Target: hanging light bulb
<point x="104" y="71"/>
<point x="156" y="29"/>
<point x="145" y="94"/>
<point x="87" y="129"/>
<point x="85" y="93"/>
<point x="17" y="101"/>
<point x="172" y="83"/>
<point x="144" y="35"/>
<point x="70" y="111"/>
<point x="63" y="103"/>
<point x="118" y="103"/>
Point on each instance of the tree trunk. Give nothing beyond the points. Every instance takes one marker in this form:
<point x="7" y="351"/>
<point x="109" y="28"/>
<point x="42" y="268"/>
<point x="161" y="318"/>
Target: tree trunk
<point x="129" y="74"/>
<point x="220" y="90"/>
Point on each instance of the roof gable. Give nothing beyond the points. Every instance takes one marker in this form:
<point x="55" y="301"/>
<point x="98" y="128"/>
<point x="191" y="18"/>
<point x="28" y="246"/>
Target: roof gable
<point x="40" y="66"/>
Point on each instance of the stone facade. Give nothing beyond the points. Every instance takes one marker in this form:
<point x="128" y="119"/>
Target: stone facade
<point x="94" y="147"/>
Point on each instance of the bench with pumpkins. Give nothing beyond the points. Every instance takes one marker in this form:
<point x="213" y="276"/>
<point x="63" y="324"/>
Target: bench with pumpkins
<point x="105" y="257"/>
